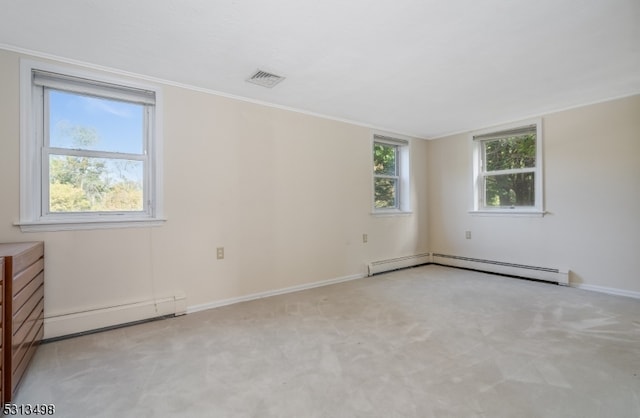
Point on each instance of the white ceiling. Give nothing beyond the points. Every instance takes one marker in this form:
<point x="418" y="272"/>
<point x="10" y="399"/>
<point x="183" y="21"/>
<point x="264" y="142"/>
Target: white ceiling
<point x="420" y="67"/>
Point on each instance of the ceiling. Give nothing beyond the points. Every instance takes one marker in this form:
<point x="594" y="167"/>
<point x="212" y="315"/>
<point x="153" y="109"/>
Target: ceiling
<point x="419" y="67"/>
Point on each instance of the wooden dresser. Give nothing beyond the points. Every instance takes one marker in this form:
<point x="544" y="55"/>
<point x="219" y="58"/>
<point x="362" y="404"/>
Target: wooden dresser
<point x="1" y="330"/>
<point x="23" y="310"/>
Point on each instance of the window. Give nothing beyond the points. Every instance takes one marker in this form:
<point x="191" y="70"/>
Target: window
<point x="390" y="175"/>
<point x="90" y="151"/>
<point x="507" y="169"/>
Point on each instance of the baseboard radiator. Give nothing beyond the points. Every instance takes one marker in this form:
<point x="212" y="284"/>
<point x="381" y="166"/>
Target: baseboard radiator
<point x="546" y="274"/>
<point x="390" y="264"/>
<point x="106" y="317"/>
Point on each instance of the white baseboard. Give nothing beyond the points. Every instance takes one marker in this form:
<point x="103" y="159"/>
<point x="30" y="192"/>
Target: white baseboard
<point x="74" y="323"/>
<point x="260" y="295"/>
<point x="608" y="290"/>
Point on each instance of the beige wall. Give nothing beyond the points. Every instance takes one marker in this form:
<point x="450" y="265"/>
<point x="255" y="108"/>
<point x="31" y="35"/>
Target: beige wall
<point x="288" y="195"/>
<point x="592" y="193"/>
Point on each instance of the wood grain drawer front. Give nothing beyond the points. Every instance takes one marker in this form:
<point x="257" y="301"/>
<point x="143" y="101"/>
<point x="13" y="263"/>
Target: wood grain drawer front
<point x="22" y="279"/>
<point x="29" y="350"/>
<point x="25" y="314"/>
<point x="22" y="306"/>
<point x="21" y="339"/>
<point x="20" y="298"/>
<point x="25" y="351"/>
<point x="2" y="367"/>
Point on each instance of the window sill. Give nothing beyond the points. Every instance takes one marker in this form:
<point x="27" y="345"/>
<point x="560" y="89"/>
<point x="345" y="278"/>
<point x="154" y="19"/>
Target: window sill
<point x="72" y="225"/>
<point x="391" y="213"/>
<point x="509" y="212"/>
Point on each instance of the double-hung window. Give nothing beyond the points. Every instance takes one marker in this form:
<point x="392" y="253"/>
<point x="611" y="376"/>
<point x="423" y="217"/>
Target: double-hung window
<point x="507" y="169"/>
<point x="90" y="151"/>
<point x="390" y="174"/>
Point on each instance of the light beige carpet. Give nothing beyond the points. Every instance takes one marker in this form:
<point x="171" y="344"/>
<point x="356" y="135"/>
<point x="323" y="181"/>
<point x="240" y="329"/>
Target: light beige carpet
<point x="425" y="342"/>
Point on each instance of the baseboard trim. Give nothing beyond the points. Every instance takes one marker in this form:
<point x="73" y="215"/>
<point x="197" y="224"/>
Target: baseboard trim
<point x="260" y="295"/>
<point x="592" y="288"/>
<point x="71" y="325"/>
<point x="608" y="290"/>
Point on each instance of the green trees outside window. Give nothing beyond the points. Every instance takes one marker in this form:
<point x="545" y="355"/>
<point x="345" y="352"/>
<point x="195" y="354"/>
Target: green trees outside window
<point x="95" y="153"/>
<point x="84" y="184"/>
<point x="509" y="166"/>
<point x="386" y="175"/>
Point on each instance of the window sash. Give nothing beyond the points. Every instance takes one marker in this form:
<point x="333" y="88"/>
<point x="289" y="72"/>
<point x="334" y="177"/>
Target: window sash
<point x="491" y="183"/>
<point x="396" y="194"/>
<point x="485" y="187"/>
<point x="483" y="156"/>
<point x="509" y="171"/>
<point x="484" y="175"/>
<point x="380" y="140"/>
<point x="46" y="141"/>
<point x="100" y="90"/>
<point x="396" y="162"/>
<point x="93" y="154"/>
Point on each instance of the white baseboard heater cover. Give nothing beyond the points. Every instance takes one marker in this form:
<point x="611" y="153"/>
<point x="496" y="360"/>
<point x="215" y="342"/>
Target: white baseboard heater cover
<point x="554" y="275"/>
<point x="381" y="266"/>
<point x="92" y="319"/>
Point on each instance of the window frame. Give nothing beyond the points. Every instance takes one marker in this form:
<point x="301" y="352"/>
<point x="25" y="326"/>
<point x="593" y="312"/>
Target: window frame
<point x="402" y="148"/>
<point x="478" y="140"/>
<point x="35" y="149"/>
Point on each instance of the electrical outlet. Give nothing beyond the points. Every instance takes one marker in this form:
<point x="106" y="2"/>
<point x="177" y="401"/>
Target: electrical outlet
<point x="467" y="234"/>
<point x="220" y="253"/>
<point x="365" y="238"/>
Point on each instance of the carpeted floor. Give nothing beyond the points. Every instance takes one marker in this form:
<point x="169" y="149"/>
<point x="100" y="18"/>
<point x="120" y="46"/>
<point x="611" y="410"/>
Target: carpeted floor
<point x="424" y="342"/>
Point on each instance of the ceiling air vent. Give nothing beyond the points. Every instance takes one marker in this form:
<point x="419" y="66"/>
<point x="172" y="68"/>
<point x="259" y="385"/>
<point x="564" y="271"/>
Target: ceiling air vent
<point x="264" y="79"/>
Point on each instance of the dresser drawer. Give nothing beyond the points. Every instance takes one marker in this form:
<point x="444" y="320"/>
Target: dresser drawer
<point x="22" y="306"/>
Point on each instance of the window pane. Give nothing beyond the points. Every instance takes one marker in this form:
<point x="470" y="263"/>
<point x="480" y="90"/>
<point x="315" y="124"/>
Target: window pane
<point x="385" y="193"/>
<point x="511" y="153"/>
<point x="510" y="190"/>
<point x="85" y="184"/>
<point x="384" y="159"/>
<point x="92" y="123"/>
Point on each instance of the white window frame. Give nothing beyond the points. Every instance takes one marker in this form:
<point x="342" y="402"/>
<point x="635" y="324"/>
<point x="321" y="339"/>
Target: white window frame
<point x="478" y="138"/>
<point x="34" y="177"/>
<point x="403" y="190"/>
